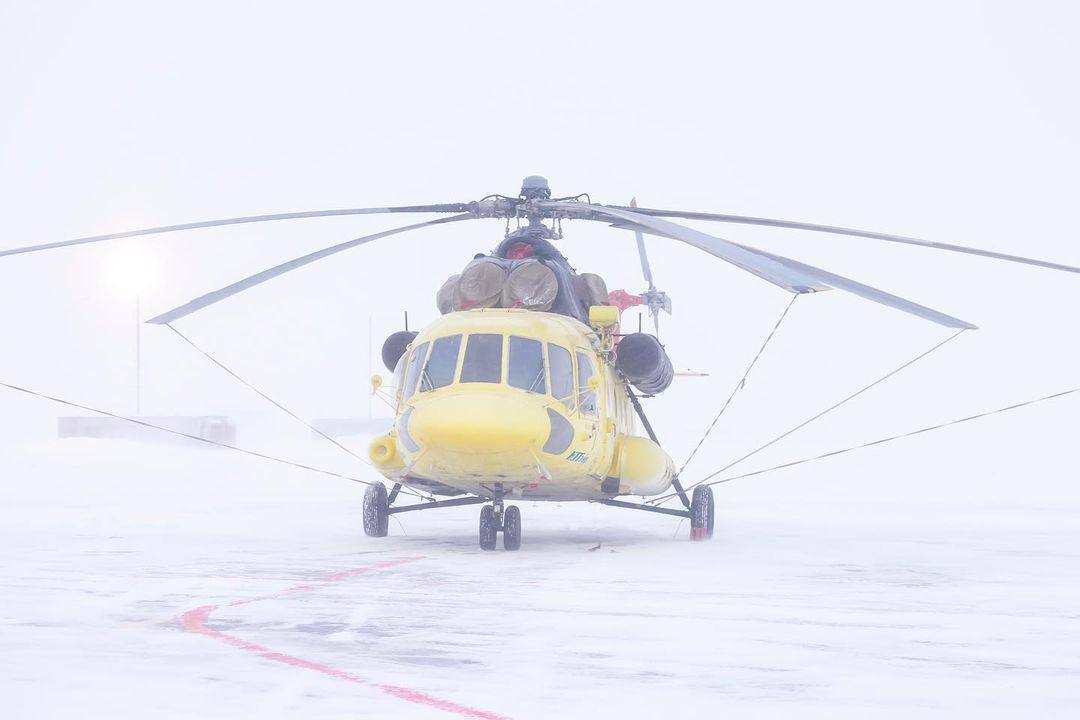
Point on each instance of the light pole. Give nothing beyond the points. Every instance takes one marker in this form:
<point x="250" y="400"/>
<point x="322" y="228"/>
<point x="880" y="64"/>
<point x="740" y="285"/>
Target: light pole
<point x="369" y="365"/>
<point x="138" y="355"/>
<point x="130" y="270"/>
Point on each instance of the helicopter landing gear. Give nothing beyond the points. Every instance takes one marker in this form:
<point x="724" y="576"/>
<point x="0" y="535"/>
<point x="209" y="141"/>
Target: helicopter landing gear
<point x="376" y="511"/>
<point x="512" y="528"/>
<point x="493" y="519"/>
<point x="489" y="528"/>
<point x="702" y="513"/>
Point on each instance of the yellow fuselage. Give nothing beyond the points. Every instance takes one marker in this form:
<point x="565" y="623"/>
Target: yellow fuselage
<point x="499" y="401"/>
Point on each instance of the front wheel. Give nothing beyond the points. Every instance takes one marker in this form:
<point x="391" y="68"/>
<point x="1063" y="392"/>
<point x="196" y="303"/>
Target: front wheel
<point x="376" y="511"/>
<point x="512" y="528"/>
<point x="702" y="513"/>
<point x="489" y="529"/>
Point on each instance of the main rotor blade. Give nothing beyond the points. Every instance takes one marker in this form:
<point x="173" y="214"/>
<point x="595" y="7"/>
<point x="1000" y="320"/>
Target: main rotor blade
<point x="785" y="272"/>
<point x="789" y="278"/>
<point x="767" y="222"/>
<point x="451" y="208"/>
<point x="229" y="290"/>
<point x="871" y="293"/>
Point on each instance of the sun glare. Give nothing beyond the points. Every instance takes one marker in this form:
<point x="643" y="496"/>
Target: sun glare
<point x="129" y="270"/>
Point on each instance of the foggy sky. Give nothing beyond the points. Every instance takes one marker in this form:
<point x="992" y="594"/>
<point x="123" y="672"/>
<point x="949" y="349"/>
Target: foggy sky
<point x="953" y="122"/>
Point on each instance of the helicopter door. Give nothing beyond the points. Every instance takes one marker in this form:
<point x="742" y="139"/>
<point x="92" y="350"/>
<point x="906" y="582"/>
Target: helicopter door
<point x="562" y="376"/>
<point x="589" y="410"/>
<point x="587" y="399"/>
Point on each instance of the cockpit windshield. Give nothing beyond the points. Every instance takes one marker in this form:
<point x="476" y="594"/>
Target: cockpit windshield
<point x="434" y="365"/>
<point x="527" y="365"/>
<point x="483" y="359"/>
<point x="442" y="364"/>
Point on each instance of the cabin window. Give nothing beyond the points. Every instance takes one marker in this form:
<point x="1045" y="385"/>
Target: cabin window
<point x="416" y="362"/>
<point x="586" y="397"/>
<point x="527" y="365"/>
<point x="562" y="375"/>
<point x="442" y="363"/>
<point x="483" y="359"/>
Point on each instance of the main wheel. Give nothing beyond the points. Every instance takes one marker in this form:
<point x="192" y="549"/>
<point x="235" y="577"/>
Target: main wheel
<point x="376" y="511"/>
<point x="512" y="528"/>
<point x="702" y="513"/>
<point x="489" y="529"/>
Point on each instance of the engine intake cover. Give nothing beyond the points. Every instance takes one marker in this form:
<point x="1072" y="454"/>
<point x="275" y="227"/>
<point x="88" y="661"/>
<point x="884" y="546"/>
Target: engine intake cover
<point x="645" y="363"/>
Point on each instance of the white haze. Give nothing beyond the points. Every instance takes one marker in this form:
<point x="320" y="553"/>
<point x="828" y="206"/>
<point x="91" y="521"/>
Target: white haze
<point x="954" y="122"/>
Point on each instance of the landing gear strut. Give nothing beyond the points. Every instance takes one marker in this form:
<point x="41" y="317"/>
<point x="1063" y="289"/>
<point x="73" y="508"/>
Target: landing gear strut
<point x="493" y="519"/>
<point x="378" y="508"/>
<point x="702" y="511"/>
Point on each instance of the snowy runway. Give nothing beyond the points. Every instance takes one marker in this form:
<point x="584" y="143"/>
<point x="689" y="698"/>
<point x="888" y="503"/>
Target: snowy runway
<point x="195" y="620"/>
<point x="181" y="583"/>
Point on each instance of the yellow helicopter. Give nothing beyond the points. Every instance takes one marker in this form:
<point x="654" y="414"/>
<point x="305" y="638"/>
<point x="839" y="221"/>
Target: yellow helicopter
<point x="513" y="403"/>
<point x="524" y="388"/>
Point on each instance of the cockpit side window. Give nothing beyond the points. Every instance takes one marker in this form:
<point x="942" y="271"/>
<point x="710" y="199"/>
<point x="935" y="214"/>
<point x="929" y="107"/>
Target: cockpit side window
<point x="416" y="362"/>
<point x="399" y="374"/>
<point x="527" y="370"/>
<point x="586" y="396"/>
<point x="483" y="359"/>
<point x="442" y="364"/>
<point x="562" y="375"/>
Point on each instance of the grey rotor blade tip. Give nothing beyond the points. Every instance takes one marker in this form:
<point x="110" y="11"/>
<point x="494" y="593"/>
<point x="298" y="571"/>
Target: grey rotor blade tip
<point x="851" y="232"/>
<point x="454" y="208"/>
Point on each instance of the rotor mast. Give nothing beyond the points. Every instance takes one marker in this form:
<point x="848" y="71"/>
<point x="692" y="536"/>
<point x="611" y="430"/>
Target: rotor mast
<point x="534" y="187"/>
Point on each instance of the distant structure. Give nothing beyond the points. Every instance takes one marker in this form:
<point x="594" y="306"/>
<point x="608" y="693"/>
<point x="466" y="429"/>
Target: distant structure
<point x="216" y="428"/>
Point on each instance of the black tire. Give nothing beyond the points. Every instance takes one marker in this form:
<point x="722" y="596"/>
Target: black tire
<point x="702" y="513"/>
<point x="512" y="528"/>
<point x="489" y="530"/>
<point x="376" y="511"/>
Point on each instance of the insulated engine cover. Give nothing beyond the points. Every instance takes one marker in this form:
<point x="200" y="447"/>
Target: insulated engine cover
<point x="645" y="363"/>
<point x="394" y="347"/>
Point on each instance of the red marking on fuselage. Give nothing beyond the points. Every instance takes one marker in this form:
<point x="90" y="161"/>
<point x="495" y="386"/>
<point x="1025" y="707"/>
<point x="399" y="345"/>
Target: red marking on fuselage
<point x="195" y="620"/>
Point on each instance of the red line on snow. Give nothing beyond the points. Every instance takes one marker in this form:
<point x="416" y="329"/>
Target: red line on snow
<point x="194" y="620"/>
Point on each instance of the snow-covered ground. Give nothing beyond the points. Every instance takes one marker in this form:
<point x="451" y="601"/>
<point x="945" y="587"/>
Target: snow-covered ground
<point x="797" y="608"/>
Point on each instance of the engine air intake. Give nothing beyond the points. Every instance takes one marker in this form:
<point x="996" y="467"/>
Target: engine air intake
<point x="645" y="363"/>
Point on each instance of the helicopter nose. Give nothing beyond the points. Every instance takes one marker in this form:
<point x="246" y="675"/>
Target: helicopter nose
<point x="478" y="424"/>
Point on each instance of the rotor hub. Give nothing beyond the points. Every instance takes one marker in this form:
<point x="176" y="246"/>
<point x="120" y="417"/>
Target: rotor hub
<point x="535" y="187"/>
